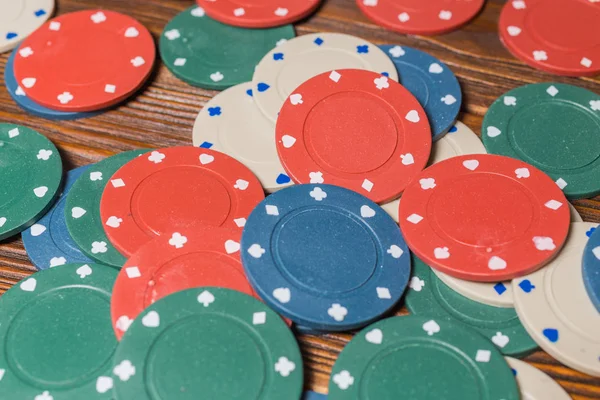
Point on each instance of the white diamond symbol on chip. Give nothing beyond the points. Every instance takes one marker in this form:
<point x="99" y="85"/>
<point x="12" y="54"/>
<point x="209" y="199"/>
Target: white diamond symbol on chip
<point x="240" y="222"/>
<point x="117" y="182"/>
<point x="272" y="210"/>
<point x="383" y="293"/>
<point x="54" y="26"/>
<point x="561" y="183"/>
<point x="259" y="318"/>
<point x="483" y="356"/>
<point x="367" y="185"/>
<point x="180" y="62"/>
<point x="596" y="251"/>
<point x="110" y="88"/>
<point x="133" y="272"/>
<point x="586" y="62"/>
<point x="553" y="204"/>
<point x="552" y="91"/>
<point x="414" y="218"/>
<point x="335" y="76"/>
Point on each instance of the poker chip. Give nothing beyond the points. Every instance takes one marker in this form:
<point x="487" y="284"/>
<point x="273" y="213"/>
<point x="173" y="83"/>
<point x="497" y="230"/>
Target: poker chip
<point x="287" y="66"/>
<point x="48" y="242"/>
<point x="534" y="384"/>
<point x="258" y="13"/>
<point x="591" y="268"/>
<point x="431" y="82"/>
<point x="459" y="141"/>
<point x="497" y="294"/>
<point x="31" y="174"/>
<point x="390" y="141"/>
<point x="205" y="53"/>
<point x="310" y="395"/>
<point x="55" y="334"/>
<point x="19" y="18"/>
<point x="553" y="127"/>
<point x="454" y="362"/>
<point x="18" y="95"/>
<point x="194" y="258"/>
<point x="155" y="355"/>
<point x="484" y="217"/>
<point x="560" y="37"/>
<point x="232" y="124"/>
<point x="295" y="232"/>
<point x="83" y="209"/>
<point x="554" y="307"/>
<point x="429" y="296"/>
<point x="85" y="61"/>
<point x="176" y="188"/>
<point x="420" y="17"/>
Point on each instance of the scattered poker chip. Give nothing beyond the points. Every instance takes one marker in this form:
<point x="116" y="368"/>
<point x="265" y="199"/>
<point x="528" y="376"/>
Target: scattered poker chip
<point x="295" y="232"/>
<point x="534" y="384"/>
<point x="18" y="95"/>
<point x="516" y="223"/>
<point x="420" y="17"/>
<point x="497" y="294"/>
<point x="554" y="307"/>
<point x="431" y="82"/>
<point x="48" y="242"/>
<point x="155" y="355"/>
<point x="85" y="61"/>
<point x="31" y="175"/>
<point x="459" y="141"/>
<point x="591" y="268"/>
<point x="429" y="296"/>
<point x="232" y="124"/>
<point x="402" y="354"/>
<point x="18" y="19"/>
<point x="390" y="141"/>
<point x="208" y="54"/>
<point x="560" y="37"/>
<point x="258" y="13"/>
<point x="176" y="188"/>
<point x="287" y="66"/>
<point x="171" y="263"/>
<point x="55" y="334"/>
<point x="83" y="209"/>
<point x="310" y="395"/>
<point x="553" y="127"/>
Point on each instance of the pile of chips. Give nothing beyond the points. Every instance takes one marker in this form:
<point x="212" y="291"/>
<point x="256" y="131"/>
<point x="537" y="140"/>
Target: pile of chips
<point x="184" y="272"/>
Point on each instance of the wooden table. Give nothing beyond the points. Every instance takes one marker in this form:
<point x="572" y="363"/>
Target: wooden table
<point x="162" y="114"/>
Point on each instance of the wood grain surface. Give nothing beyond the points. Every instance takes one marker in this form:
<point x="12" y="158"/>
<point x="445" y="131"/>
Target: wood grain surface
<point x="162" y="114"/>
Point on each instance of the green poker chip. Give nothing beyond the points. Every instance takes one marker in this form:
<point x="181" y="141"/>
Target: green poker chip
<point x="415" y="357"/>
<point x="82" y="209"/>
<point x="56" y="337"/>
<point x="208" y="343"/>
<point x="30" y="176"/>
<point x="429" y="296"/>
<point x="552" y="126"/>
<point x="211" y="55"/>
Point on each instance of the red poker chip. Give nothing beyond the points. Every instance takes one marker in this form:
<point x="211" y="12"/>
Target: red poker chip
<point x="182" y="260"/>
<point x="421" y="17"/>
<point x="173" y="189"/>
<point x="85" y="61"/>
<point x="484" y="217"/>
<point x="258" y="13"/>
<point x="557" y="36"/>
<point x="356" y="129"/>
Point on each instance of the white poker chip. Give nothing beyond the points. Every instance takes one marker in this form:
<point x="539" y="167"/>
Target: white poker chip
<point x="232" y="124"/>
<point x="534" y="384"/>
<point x="19" y="18"/>
<point x="555" y="309"/>
<point x="459" y="141"/>
<point x="288" y="65"/>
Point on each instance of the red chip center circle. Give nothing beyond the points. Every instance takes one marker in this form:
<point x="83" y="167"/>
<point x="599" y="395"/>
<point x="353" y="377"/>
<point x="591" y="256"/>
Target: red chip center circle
<point x="180" y="196"/>
<point x="336" y="129"/>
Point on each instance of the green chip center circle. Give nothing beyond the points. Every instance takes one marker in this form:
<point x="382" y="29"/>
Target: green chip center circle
<point x="210" y="367"/>
<point x="564" y="150"/>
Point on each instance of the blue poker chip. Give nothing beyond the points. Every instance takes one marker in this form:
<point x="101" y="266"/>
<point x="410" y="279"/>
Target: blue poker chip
<point x="310" y="395"/>
<point x="48" y="242"/>
<point x="19" y="96"/>
<point x="431" y="82"/>
<point x="325" y="257"/>
<point x="591" y="268"/>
